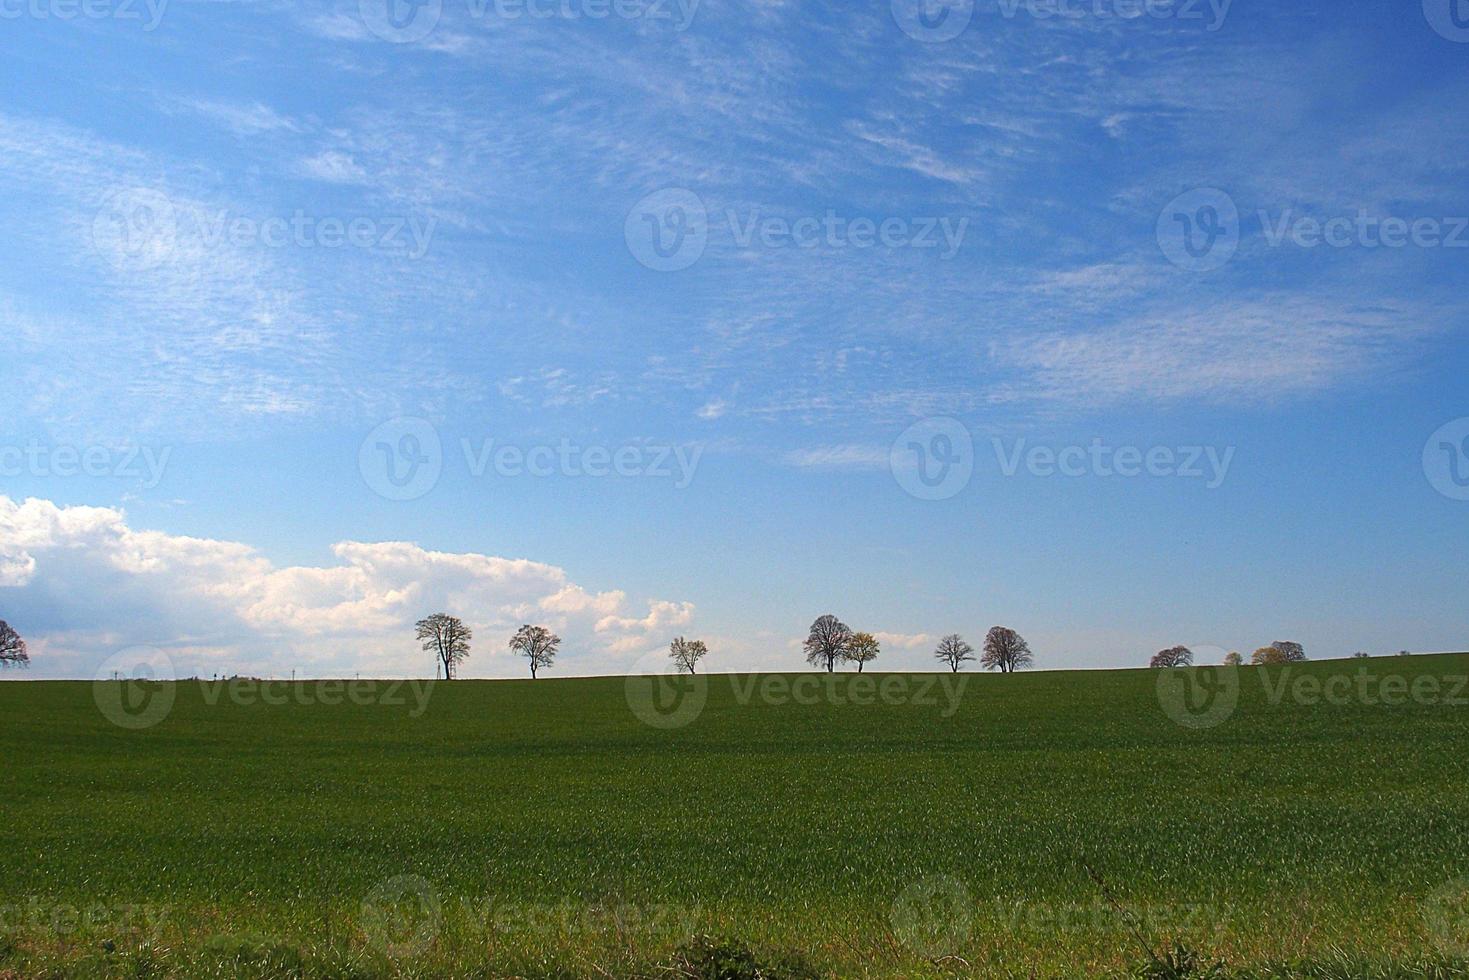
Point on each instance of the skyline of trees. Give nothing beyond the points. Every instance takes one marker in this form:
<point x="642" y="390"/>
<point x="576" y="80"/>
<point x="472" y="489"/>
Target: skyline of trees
<point x="828" y="643"/>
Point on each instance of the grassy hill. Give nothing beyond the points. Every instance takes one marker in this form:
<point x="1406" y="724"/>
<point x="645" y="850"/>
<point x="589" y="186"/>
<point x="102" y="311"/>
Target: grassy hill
<point x="1020" y="825"/>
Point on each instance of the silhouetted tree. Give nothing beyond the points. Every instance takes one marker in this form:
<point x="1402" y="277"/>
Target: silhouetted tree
<point x="828" y="642"/>
<point x="687" y="653"/>
<point x="12" y="648"/>
<point x="447" y="638"/>
<point x="536" y="644"/>
<point x="1173" y="657"/>
<point x="863" y="649"/>
<point x="1006" y="650"/>
<point x="953" y="651"/>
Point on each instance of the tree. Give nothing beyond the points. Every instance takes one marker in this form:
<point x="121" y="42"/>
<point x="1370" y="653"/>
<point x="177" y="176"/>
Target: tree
<point x="12" y="648"/>
<point x="1006" y="649"/>
<point x="828" y="642"/>
<point x="1361" y="655"/>
<point x="953" y="651"/>
<point x="687" y="653"/>
<point x="863" y="649"/>
<point x="1233" y="659"/>
<point x="1173" y="657"/>
<point x="538" y="645"/>
<point x="447" y="638"/>
<point x="1293" y="653"/>
<point x="1266" y="656"/>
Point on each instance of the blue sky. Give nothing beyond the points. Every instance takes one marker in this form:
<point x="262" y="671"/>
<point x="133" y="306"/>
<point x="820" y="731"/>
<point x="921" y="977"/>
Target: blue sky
<point x="742" y="257"/>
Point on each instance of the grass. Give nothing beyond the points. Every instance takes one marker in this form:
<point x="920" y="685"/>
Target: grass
<point x="541" y="829"/>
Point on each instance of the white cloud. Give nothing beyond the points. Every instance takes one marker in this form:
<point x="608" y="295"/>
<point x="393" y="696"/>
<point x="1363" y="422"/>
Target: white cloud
<point x="1261" y="350"/>
<point x="242" y="119"/>
<point x="84" y="583"/>
<point x="334" y="167"/>
<point x="905" y="641"/>
<point x="845" y="457"/>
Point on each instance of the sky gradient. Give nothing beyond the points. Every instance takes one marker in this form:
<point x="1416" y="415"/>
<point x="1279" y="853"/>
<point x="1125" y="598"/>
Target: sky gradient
<point x="1125" y="325"/>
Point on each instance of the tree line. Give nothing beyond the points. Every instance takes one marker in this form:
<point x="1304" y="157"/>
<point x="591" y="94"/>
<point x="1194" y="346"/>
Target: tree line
<point x="828" y="643"/>
<point x="1279" y="652"/>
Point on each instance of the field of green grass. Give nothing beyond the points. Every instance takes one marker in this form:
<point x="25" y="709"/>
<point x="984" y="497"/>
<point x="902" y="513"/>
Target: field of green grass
<point x="1046" y="824"/>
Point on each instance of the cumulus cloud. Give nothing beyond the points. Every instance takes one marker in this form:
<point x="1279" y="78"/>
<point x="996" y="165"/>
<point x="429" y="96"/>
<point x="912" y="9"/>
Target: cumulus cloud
<point x="83" y="583"/>
<point x="905" y="641"/>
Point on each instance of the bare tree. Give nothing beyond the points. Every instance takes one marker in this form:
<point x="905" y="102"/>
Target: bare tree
<point x="686" y="653"/>
<point x="1173" y="657"/>
<point x="1006" y="650"/>
<point x="828" y="642"/>
<point x="953" y="651"/>
<point x="863" y="649"/>
<point x="536" y="644"/>
<point x="12" y="648"/>
<point x="447" y="638"/>
<point x="1291" y="652"/>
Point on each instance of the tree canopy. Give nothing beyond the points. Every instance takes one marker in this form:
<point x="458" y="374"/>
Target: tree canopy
<point x="863" y="649"/>
<point x="954" y="651"/>
<point x="1179" y="656"/>
<point x="447" y="638"/>
<point x="536" y="644"/>
<point x="687" y="653"/>
<point x="12" y="648"/>
<point x="1005" y="650"/>
<point x="828" y="642"/>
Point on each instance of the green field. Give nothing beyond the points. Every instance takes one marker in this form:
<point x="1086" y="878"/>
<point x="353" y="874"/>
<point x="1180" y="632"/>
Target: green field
<point x="542" y="829"/>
